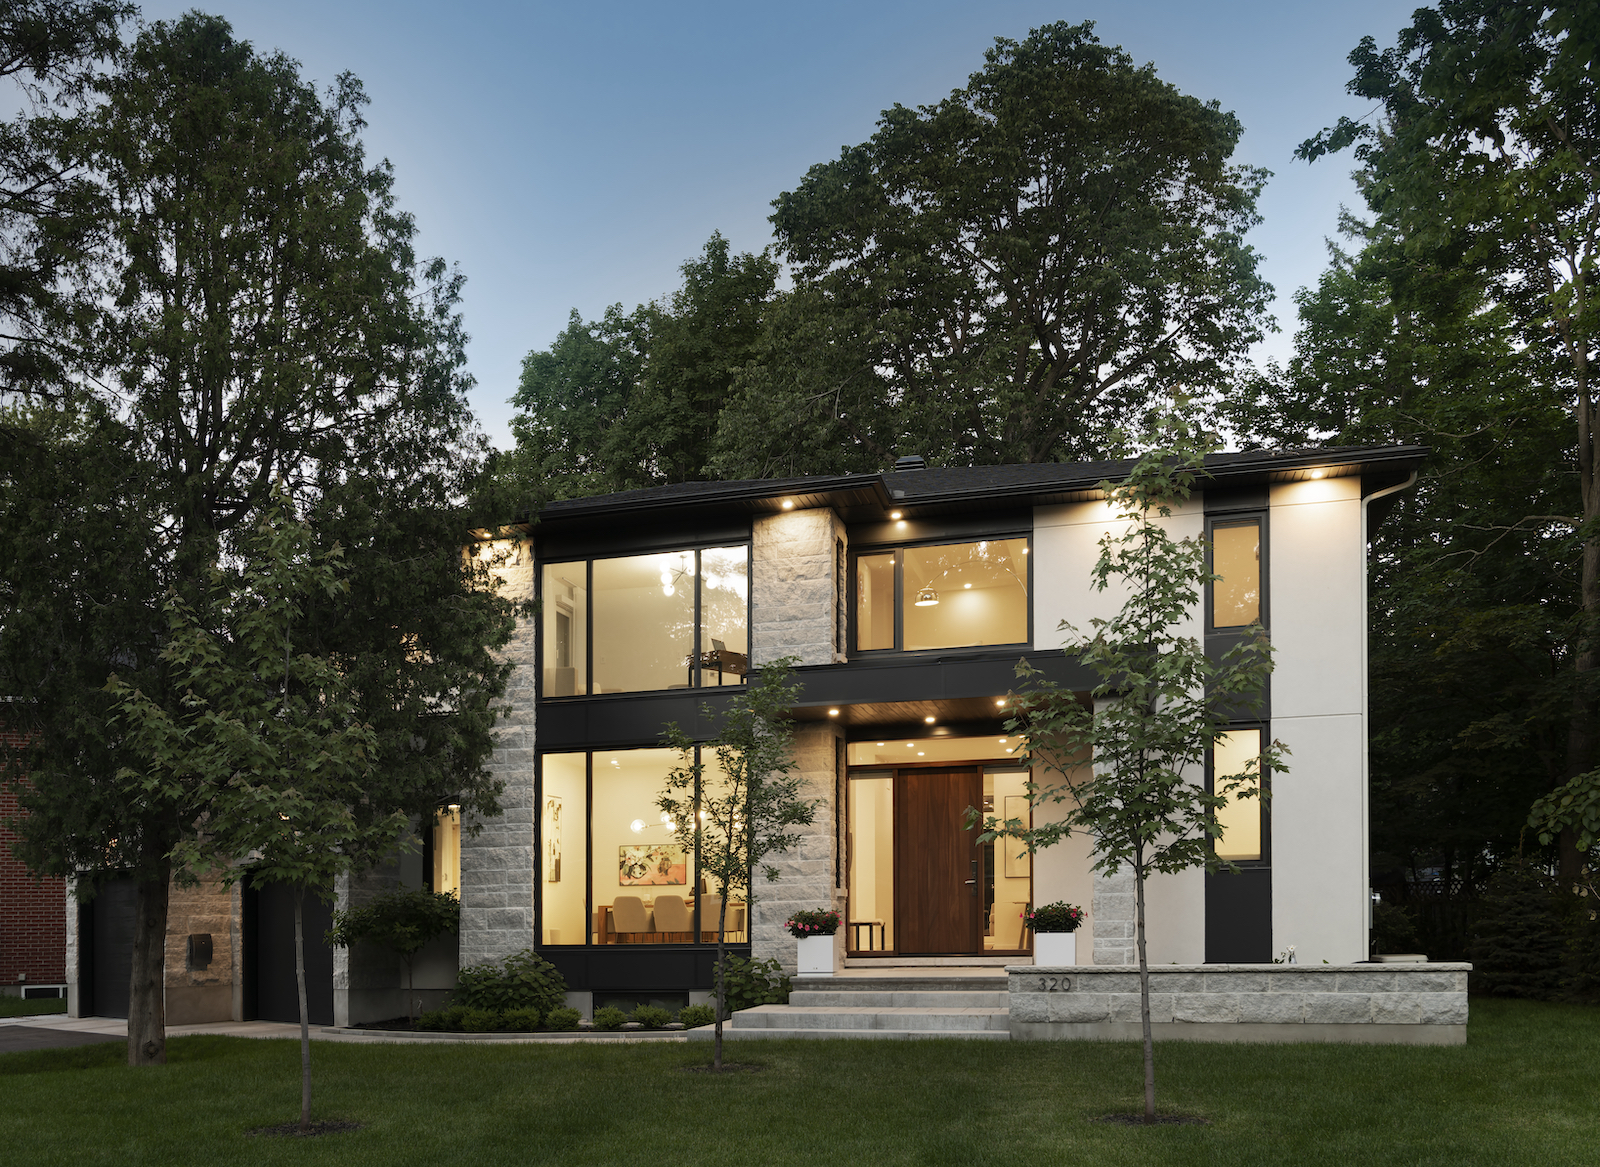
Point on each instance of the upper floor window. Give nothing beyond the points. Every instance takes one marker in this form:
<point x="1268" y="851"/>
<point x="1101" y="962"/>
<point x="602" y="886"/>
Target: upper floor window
<point x="1236" y="558"/>
<point x="952" y="595"/>
<point x="1243" y="818"/>
<point x="670" y="620"/>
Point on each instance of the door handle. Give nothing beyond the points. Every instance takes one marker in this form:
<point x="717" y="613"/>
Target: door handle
<point x="973" y="882"/>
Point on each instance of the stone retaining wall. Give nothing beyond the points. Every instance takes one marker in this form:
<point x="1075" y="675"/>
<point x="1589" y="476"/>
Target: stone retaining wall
<point x="1422" y="1004"/>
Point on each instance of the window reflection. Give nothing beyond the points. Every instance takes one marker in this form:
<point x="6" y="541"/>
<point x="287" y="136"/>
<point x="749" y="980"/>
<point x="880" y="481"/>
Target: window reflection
<point x="724" y="615"/>
<point x="566" y="623"/>
<point x="643" y="622"/>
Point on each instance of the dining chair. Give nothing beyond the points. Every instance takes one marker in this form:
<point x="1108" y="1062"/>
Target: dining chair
<point x="710" y="909"/>
<point x="673" y="922"/>
<point x="630" y="920"/>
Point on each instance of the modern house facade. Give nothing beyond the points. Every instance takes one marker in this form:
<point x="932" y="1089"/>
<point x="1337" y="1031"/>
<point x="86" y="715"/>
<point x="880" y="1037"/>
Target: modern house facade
<point x="907" y="599"/>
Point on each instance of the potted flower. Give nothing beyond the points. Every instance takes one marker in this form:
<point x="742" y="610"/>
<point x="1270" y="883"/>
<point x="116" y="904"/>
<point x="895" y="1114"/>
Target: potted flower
<point x="813" y="931"/>
<point x="1054" y="932"/>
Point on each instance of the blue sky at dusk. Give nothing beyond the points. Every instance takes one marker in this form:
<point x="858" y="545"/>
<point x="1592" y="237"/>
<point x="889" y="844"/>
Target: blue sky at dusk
<point x="574" y="155"/>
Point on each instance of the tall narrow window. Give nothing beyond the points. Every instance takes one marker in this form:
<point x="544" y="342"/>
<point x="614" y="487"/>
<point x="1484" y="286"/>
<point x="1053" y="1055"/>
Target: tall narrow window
<point x="1236" y="558"/>
<point x="875" y="601"/>
<point x="1241" y="818"/>
<point x="724" y="615"/>
<point x="566" y="618"/>
<point x="562" y="852"/>
<point x="447" y="851"/>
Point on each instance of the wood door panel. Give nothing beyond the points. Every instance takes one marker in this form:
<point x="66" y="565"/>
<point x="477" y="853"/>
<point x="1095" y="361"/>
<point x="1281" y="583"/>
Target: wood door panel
<point x="936" y="910"/>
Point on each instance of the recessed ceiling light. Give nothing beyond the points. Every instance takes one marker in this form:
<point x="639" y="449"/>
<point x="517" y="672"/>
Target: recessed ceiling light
<point x="1002" y="741"/>
<point x="920" y="754"/>
<point x="880" y="743"/>
<point x="833" y="713"/>
<point x="911" y="745"/>
<point x="1318" y="473"/>
<point x="929" y="720"/>
<point x="894" y="514"/>
<point x="999" y="700"/>
<point x="967" y="586"/>
<point x="788" y="504"/>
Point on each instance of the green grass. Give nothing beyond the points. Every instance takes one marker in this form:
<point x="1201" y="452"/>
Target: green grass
<point x="17" y="1007"/>
<point x="1522" y="1091"/>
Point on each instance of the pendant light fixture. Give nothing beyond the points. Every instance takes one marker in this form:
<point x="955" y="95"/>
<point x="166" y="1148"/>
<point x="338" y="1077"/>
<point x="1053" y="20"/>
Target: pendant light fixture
<point x="927" y="597"/>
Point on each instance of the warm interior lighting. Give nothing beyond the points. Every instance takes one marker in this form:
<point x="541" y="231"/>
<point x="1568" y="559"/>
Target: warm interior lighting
<point x="920" y="754"/>
<point x="894" y="514"/>
<point x="968" y="587"/>
<point x="788" y="504"/>
<point x="927" y="598"/>
<point x="929" y="720"/>
<point x="636" y="826"/>
<point x="833" y="713"/>
<point x="880" y="743"/>
<point x="1024" y="550"/>
<point x="1000" y="701"/>
<point x="1318" y="473"/>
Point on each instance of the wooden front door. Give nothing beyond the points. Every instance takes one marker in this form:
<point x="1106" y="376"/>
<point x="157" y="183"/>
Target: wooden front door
<point x="938" y="867"/>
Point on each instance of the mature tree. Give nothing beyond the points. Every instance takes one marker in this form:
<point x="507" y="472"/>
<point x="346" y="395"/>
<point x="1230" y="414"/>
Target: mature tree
<point x="267" y="747"/>
<point x="634" y="400"/>
<point x="50" y="51"/>
<point x="1126" y="767"/>
<point x="1487" y="162"/>
<point x="1015" y="272"/>
<point x="263" y="318"/>
<point x="1473" y="611"/>
<point x="747" y="808"/>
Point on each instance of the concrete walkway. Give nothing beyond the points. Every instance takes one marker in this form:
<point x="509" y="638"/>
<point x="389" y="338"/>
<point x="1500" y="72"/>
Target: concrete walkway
<point x="86" y="1030"/>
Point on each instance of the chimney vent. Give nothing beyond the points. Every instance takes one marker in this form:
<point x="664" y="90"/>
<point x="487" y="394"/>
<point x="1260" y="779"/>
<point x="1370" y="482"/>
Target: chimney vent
<point x="910" y="462"/>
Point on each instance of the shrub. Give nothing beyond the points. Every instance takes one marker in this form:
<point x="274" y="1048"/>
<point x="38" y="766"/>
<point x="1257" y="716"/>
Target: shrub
<point x="754" y="982"/>
<point x="1393" y="929"/>
<point x="520" y="1020"/>
<point x="694" y="1016"/>
<point x="563" y="1019"/>
<point x="523" y="980"/>
<point x="479" y="1021"/>
<point x="609" y="1017"/>
<point x="441" y="1020"/>
<point x="1518" y="947"/>
<point x="651" y="1017"/>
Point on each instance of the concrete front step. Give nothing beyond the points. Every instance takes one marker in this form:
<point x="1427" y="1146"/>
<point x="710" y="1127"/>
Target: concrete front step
<point x="953" y="1020"/>
<point x="732" y="1034"/>
<point x="902" y="984"/>
<point x="891" y="999"/>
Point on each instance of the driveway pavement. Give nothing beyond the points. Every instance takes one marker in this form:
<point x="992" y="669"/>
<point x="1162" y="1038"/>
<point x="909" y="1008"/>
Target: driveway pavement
<point x="55" y="1031"/>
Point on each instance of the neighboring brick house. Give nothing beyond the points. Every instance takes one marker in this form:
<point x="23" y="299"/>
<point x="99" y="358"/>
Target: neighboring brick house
<point x="33" y="915"/>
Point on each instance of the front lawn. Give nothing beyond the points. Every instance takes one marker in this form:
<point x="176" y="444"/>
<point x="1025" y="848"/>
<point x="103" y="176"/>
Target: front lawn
<point x="22" y="1007"/>
<point x="1521" y="1091"/>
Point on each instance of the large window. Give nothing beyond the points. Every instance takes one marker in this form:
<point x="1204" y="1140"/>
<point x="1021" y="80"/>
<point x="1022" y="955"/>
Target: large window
<point x="628" y="624"/>
<point x="951" y="595"/>
<point x="612" y="869"/>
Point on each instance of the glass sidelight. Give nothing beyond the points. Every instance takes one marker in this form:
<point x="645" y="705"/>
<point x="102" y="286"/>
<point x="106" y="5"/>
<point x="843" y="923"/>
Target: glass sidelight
<point x="869" y="844"/>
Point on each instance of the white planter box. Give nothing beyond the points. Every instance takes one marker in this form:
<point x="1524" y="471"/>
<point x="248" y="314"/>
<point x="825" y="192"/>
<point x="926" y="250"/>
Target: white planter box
<point x="816" y="956"/>
<point x="1055" y="948"/>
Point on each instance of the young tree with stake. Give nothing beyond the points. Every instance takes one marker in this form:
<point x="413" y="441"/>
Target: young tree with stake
<point x="1126" y="766"/>
<point x="734" y="827"/>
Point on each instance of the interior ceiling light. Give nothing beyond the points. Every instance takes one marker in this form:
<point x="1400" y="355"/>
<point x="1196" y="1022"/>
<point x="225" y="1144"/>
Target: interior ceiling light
<point x="920" y="754"/>
<point x="880" y="743"/>
<point x="927" y="597"/>
<point x="968" y="587"/>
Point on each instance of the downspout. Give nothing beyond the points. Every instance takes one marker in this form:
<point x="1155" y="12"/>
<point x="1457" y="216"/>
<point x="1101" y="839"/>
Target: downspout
<point x="1366" y="705"/>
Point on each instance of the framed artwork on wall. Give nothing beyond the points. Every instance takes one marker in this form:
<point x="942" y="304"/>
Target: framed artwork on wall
<point x="652" y="864"/>
<point x="552" y="838"/>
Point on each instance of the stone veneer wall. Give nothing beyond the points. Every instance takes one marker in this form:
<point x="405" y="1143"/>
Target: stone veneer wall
<point x="1420" y="1004"/>
<point x="794" y="602"/>
<point x="205" y="994"/>
<point x="795" y="609"/>
<point x="497" y="862"/>
<point x="805" y="874"/>
<point x="1115" y="919"/>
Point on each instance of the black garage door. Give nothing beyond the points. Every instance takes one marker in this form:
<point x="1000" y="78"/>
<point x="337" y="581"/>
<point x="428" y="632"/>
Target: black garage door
<point x="270" y="993"/>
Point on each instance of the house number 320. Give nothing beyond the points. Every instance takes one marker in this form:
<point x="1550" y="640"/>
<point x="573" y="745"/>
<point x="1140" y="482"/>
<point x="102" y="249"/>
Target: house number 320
<point x="1055" y="984"/>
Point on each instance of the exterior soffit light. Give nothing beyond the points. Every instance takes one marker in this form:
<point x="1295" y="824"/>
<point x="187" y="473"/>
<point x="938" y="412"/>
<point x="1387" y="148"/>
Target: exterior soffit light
<point x="929" y="720"/>
<point x="895" y="515"/>
<point x="833" y="713"/>
<point x="788" y="504"/>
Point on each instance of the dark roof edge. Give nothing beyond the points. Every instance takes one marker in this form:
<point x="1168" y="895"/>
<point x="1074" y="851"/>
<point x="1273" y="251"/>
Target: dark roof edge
<point x="1221" y="469"/>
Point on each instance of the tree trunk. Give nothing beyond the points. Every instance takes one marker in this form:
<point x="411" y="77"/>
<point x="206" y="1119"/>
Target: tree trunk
<point x="147" y="1006"/>
<point x="1581" y="727"/>
<point x="1144" y="997"/>
<point x="721" y="986"/>
<point x="305" y="1016"/>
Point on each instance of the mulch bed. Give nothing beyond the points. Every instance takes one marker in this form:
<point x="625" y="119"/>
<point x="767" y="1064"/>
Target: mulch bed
<point x="291" y="1130"/>
<point x="1161" y="1120"/>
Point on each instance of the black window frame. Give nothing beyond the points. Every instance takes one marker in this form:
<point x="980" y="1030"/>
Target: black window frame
<point x="852" y="627"/>
<point x="1237" y="519"/>
<point x="588" y="561"/>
